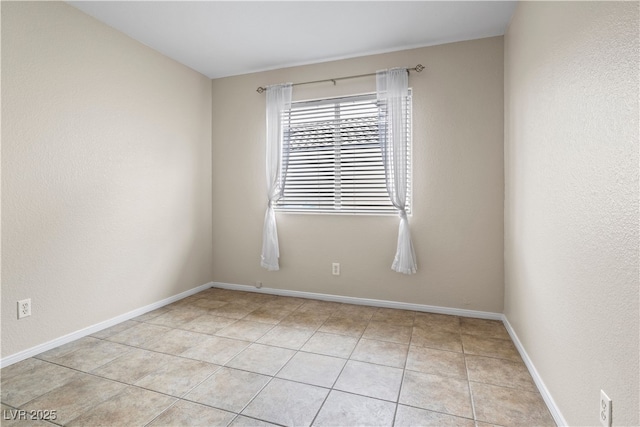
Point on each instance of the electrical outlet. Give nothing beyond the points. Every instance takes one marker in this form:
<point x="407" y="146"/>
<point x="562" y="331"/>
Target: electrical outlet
<point x="258" y="284"/>
<point x="605" y="409"/>
<point x="335" y="268"/>
<point x="24" y="308"/>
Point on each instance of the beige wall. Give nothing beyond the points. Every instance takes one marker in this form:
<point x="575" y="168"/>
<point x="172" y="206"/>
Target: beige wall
<point x="457" y="222"/>
<point x="106" y="173"/>
<point x="571" y="207"/>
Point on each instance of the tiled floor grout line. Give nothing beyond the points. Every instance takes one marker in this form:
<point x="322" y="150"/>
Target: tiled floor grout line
<point x="162" y="412"/>
<point x="271" y="379"/>
<point x="300" y="350"/>
<point x="332" y="314"/>
<point x="127" y="385"/>
<point x="183" y="396"/>
<point x="466" y="370"/>
<point x="404" y="372"/>
<point x="178" y="398"/>
<point x="340" y="373"/>
<point x="239" y="413"/>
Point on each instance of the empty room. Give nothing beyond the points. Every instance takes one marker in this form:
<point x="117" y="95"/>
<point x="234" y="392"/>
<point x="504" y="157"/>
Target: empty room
<point x="308" y="213"/>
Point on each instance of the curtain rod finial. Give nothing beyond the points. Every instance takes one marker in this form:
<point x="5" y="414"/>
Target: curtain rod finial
<point x="419" y="67"/>
<point x="260" y="89"/>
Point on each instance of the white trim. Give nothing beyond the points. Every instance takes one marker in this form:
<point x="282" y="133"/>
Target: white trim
<point x="542" y="388"/>
<point x="30" y="352"/>
<point x="363" y="301"/>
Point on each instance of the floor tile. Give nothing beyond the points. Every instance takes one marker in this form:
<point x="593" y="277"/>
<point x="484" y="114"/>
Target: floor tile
<point x="259" y="298"/>
<point x="76" y="397"/>
<point x="175" y="341"/>
<point x="167" y="368"/>
<point x="114" y="329"/>
<point x="132" y="366"/>
<point x="301" y="400"/>
<point x="187" y="303"/>
<point x="89" y="358"/>
<point x="31" y="378"/>
<point x="174" y="318"/>
<point x="499" y="372"/>
<point x="142" y="333"/>
<point x="305" y="320"/>
<point x="407" y="416"/>
<point x="247" y="298"/>
<point x="132" y="407"/>
<point x="314" y="369"/>
<point x="344" y="326"/>
<point x="394" y="317"/>
<point x="381" y="382"/>
<point x="63" y="350"/>
<point x="436" y="393"/>
<point x="484" y="328"/>
<point x="344" y="409"/>
<point x="361" y="312"/>
<point x="508" y="406"/>
<point x="267" y="315"/>
<point x="381" y="353"/>
<point x="262" y="359"/>
<point x="244" y="330"/>
<point x="492" y="347"/>
<point x="285" y="336"/>
<point x="243" y="421"/>
<point x="151" y="314"/>
<point x="232" y="310"/>
<point x="442" y="322"/>
<point x="207" y="324"/>
<point x="22" y="368"/>
<point x="178" y="376"/>
<point x="216" y="350"/>
<point x="284" y="303"/>
<point x="440" y="362"/>
<point x="228" y="389"/>
<point x="318" y="307"/>
<point x="208" y="303"/>
<point x="191" y="414"/>
<point x="386" y="332"/>
<point x="435" y="338"/>
<point x="330" y="344"/>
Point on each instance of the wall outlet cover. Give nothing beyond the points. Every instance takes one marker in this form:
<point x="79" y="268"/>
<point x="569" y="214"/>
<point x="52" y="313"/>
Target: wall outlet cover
<point x="605" y="409"/>
<point x="24" y="308"/>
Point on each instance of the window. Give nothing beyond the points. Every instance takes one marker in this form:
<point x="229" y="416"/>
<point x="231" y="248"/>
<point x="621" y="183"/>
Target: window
<point x="332" y="161"/>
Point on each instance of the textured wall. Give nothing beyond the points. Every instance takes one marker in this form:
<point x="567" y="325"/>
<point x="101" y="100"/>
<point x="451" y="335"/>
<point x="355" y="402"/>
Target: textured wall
<point x="106" y="173"/>
<point x="457" y="217"/>
<point x="571" y="207"/>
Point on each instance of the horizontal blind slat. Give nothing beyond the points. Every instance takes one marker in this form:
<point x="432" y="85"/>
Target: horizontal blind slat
<point x="332" y="158"/>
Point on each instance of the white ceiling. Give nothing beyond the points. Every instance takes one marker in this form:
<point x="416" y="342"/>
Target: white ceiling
<point x="225" y="38"/>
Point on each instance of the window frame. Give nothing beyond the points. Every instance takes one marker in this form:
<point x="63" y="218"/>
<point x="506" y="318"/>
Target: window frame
<point x="385" y="211"/>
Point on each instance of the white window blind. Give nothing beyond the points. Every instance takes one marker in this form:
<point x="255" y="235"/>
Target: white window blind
<point x="331" y="160"/>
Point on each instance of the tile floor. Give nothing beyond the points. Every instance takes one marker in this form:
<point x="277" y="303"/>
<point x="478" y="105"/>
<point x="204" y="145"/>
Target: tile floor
<point x="224" y="357"/>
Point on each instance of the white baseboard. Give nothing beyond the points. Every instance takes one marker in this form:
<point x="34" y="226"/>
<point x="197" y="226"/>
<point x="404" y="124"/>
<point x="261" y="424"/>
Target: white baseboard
<point x="542" y="388"/>
<point x="30" y="352"/>
<point x="363" y="301"/>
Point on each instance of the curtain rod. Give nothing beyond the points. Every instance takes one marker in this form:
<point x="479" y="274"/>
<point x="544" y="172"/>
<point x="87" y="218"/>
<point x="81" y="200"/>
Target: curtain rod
<point x="417" y="69"/>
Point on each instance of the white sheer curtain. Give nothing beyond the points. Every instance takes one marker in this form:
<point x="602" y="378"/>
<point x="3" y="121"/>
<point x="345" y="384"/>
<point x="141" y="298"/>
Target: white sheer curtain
<point x="278" y="100"/>
<point x="393" y="89"/>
